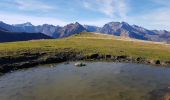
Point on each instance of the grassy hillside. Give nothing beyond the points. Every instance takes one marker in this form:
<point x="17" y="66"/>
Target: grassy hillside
<point x="87" y="44"/>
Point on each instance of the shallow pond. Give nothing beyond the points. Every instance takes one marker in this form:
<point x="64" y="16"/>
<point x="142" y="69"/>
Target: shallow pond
<point x="96" y="81"/>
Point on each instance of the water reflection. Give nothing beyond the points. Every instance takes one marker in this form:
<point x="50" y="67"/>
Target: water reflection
<point x="96" y="81"/>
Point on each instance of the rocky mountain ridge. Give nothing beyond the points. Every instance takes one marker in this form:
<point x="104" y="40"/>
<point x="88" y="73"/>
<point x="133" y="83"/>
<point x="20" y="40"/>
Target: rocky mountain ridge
<point x="113" y="28"/>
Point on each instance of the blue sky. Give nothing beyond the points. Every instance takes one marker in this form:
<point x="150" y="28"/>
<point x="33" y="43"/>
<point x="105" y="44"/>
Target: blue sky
<point x="151" y="14"/>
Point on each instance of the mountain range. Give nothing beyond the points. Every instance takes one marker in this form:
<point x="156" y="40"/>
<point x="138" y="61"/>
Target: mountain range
<point x="6" y="36"/>
<point x="112" y="28"/>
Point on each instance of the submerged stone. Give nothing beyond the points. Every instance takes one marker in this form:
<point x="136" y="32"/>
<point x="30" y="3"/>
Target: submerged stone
<point x="79" y="64"/>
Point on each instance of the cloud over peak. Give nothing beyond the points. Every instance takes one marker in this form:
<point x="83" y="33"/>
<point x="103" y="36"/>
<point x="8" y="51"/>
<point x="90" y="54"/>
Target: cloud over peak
<point x="111" y="8"/>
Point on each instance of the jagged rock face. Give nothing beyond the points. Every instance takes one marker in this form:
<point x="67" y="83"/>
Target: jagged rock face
<point x="126" y="30"/>
<point x="60" y="32"/>
<point x="29" y="28"/>
<point x="111" y="28"/>
<point x="50" y="30"/>
<point x="116" y="28"/>
<point x="46" y="29"/>
<point x="69" y="30"/>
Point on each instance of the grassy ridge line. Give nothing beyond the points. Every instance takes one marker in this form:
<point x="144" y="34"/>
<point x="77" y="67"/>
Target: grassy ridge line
<point x="87" y="46"/>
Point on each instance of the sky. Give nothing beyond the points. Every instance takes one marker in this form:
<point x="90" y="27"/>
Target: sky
<point x="151" y="14"/>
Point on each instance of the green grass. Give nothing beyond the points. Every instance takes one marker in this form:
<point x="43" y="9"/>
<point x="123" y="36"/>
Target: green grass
<point x="89" y="43"/>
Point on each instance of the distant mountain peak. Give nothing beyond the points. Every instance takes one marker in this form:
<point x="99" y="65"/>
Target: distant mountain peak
<point x="74" y="24"/>
<point x="1" y="22"/>
<point x="125" y="23"/>
<point x="117" y="23"/>
<point x="24" y="24"/>
<point x="28" y="24"/>
<point x="77" y="23"/>
<point x="113" y="23"/>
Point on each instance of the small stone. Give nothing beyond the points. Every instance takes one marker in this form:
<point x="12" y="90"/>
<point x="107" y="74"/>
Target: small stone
<point x="79" y="64"/>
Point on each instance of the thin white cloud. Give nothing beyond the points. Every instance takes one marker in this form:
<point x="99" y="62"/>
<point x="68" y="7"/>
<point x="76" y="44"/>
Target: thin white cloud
<point x="162" y="2"/>
<point x="33" y="4"/>
<point x="157" y="19"/>
<point x="87" y="5"/>
<point x="28" y="5"/>
<point x="122" y="8"/>
<point x="111" y="8"/>
<point x="117" y="10"/>
<point x="17" y="19"/>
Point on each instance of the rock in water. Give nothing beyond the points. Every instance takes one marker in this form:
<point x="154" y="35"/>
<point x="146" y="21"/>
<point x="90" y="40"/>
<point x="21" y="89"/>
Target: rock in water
<point x="79" y="64"/>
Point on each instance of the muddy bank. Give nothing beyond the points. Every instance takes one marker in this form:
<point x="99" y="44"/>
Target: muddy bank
<point x="27" y="60"/>
<point x="160" y="94"/>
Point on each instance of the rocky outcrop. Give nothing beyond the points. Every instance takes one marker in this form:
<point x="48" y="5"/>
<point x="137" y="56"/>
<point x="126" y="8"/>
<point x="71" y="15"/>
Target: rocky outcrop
<point x="126" y="30"/>
<point x="68" y="30"/>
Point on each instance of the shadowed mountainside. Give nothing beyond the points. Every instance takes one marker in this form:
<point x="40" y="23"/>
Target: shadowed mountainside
<point x="6" y="36"/>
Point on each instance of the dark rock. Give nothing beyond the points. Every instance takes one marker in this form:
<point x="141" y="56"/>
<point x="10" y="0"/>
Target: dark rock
<point x="121" y="57"/>
<point x="157" y="62"/>
<point x="94" y="56"/>
<point x="140" y="60"/>
<point x="108" y="56"/>
<point x="101" y="57"/>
